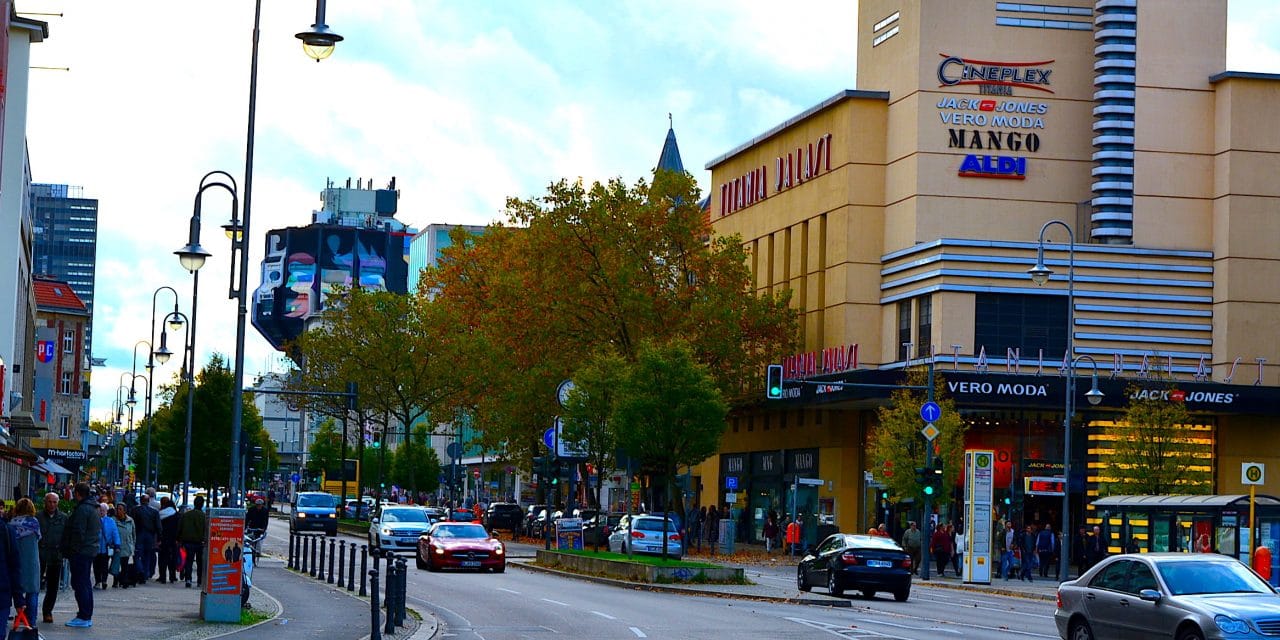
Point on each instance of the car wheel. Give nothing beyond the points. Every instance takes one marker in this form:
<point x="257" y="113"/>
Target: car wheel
<point x="1080" y="630"/>
<point x="502" y="568"/>
<point x="901" y="596"/>
<point x="417" y="559"/>
<point x="1191" y="633"/>
<point x="431" y="566"/>
<point x="801" y="583"/>
<point x="833" y="583"/>
<point x="868" y="594"/>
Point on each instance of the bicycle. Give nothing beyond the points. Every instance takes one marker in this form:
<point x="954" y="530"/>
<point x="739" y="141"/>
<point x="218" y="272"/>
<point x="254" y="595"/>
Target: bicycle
<point x="252" y="550"/>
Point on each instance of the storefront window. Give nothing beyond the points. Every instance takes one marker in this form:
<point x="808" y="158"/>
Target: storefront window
<point x="1025" y="322"/>
<point x="904" y="328"/>
<point x="924" y="326"/>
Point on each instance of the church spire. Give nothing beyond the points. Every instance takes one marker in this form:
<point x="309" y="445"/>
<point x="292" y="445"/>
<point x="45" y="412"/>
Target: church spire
<point x="670" y="160"/>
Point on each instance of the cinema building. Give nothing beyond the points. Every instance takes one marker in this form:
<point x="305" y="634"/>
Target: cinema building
<point x="904" y="215"/>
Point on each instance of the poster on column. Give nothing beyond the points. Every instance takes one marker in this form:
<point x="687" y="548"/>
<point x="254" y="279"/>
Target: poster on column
<point x="225" y="548"/>
<point x="979" y="489"/>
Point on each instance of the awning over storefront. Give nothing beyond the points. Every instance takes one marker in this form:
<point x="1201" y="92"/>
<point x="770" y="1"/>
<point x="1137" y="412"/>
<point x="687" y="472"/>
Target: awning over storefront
<point x="49" y="466"/>
<point x="17" y="455"/>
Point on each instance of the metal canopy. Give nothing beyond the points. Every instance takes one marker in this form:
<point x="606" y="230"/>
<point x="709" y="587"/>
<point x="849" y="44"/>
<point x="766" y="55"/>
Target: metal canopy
<point x="1206" y="503"/>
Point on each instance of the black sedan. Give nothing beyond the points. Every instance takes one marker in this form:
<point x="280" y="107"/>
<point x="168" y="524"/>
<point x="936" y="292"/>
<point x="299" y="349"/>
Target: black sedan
<point x="862" y="563"/>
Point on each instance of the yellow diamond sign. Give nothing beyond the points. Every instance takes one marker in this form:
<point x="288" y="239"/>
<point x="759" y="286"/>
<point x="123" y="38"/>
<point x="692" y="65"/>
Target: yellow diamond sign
<point x="929" y="432"/>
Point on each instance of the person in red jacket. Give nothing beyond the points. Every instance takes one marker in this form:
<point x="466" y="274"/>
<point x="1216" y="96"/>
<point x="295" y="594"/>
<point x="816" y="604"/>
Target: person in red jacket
<point x="793" y="536"/>
<point x="940" y="545"/>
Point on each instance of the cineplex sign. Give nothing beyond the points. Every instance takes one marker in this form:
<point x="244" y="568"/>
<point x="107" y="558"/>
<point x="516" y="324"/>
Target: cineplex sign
<point x="993" y="125"/>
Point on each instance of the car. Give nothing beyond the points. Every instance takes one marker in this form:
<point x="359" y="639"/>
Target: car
<point x="356" y="510"/>
<point x="530" y="516"/>
<point x="503" y="515"/>
<point x="461" y="515"/>
<point x="398" y="527"/>
<point x="314" y="511"/>
<point x="596" y="529"/>
<point x="856" y="562"/>
<point x="1185" y="596"/>
<point x="644" y="534"/>
<point x="460" y="545"/>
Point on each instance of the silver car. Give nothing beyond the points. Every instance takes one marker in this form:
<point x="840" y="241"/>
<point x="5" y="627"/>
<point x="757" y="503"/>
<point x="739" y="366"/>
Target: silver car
<point x="643" y="534"/>
<point x="398" y="528"/>
<point x="1179" y="596"/>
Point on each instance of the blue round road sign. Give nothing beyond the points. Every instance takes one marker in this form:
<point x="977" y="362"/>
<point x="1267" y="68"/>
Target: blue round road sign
<point x="930" y="411"/>
<point x="295" y="478"/>
<point x="454" y="450"/>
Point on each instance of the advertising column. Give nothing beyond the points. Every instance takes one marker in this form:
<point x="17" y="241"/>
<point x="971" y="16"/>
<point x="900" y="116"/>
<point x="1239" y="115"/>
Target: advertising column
<point x="220" y="593"/>
<point x="979" y="485"/>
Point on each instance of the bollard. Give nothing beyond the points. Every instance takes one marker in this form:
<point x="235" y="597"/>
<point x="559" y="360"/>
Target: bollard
<point x="312" y="561"/>
<point x="364" y="568"/>
<point x="342" y="562"/>
<point x="329" y="578"/>
<point x="351" y="569"/>
<point x="402" y="588"/>
<point x="389" y="597"/>
<point x="302" y="553"/>
<point x="320" y="568"/>
<point x="293" y="560"/>
<point x="376" y="630"/>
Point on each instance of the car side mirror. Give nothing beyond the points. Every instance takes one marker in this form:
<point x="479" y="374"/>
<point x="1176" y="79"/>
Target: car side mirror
<point x="1149" y="595"/>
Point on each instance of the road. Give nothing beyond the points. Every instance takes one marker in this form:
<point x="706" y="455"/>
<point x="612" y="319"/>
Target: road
<point x="526" y="604"/>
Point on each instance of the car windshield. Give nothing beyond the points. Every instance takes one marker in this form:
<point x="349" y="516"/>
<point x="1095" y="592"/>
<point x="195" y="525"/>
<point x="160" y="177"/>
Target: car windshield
<point x="404" y="515"/>
<point x="651" y="524"/>
<point x="1186" y="578"/>
<point x="463" y="531"/>
<point x="315" y="500"/>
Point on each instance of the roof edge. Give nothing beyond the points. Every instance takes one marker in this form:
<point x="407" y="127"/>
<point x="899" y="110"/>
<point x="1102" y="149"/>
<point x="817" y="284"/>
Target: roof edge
<point x="847" y="94"/>
<point x="1242" y="75"/>
<point x="39" y="28"/>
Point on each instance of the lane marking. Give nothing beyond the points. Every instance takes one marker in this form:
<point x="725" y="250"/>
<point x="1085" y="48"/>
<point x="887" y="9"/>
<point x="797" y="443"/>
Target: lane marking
<point x="843" y="632"/>
<point x="907" y="626"/>
<point x="508" y="590"/>
<point x="563" y="604"/>
<point x="638" y="632"/>
<point x="604" y="615"/>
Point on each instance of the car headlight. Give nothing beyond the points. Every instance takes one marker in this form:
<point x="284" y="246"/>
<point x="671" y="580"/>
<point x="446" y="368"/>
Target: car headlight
<point x="333" y="515"/>
<point x="498" y="551"/>
<point x="385" y="531"/>
<point x="301" y="515"/>
<point x="1231" y="625"/>
<point x="439" y="550"/>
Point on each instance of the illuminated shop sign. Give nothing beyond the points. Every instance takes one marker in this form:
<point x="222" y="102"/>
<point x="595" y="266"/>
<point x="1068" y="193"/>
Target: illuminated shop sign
<point x="994" y="78"/>
<point x="1007" y="167"/>
<point x="792" y="169"/>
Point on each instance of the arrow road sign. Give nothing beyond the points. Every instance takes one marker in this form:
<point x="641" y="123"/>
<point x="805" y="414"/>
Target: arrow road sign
<point x="930" y="411"/>
<point x="549" y="438"/>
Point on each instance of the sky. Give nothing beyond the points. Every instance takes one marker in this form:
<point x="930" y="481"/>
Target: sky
<point x="464" y="103"/>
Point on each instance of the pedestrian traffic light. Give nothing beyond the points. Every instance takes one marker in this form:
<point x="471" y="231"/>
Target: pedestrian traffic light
<point x="773" y="382"/>
<point x="884" y="495"/>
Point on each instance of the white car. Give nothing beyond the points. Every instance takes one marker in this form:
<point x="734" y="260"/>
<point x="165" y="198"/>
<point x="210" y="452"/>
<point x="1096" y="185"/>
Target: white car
<point x="398" y="527"/>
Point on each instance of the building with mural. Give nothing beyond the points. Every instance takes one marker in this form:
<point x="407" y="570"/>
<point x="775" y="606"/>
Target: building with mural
<point x="61" y="374"/>
<point x="904" y="215"/>
<point x="353" y="240"/>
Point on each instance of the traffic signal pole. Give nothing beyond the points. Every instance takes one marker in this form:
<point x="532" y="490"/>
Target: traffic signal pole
<point x="928" y="498"/>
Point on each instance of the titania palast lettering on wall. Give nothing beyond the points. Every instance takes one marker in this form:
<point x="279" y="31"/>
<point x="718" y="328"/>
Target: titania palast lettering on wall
<point x="794" y="168"/>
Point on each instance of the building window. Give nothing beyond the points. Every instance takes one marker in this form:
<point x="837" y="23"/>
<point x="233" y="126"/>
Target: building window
<point x="64" y="427"/>
<point x="1026" y="322"/>
<point x="66" y="382"/>
<point x="904" y="328"/>
<point x="68" y="341"/>
<point x="924" y="326"/>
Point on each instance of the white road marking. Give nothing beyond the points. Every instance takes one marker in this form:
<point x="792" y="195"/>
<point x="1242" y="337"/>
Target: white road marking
<point x="844" y="632"/>
<point x="508" y="591"/>
<point x="563" y="604"/>
<point x="638" y="632"/>
<point x="604" y="615"/>
<point x="906" y="626"/>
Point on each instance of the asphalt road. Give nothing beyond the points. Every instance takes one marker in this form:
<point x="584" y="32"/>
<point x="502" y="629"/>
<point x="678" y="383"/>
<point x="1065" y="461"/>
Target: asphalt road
<point x="525" y="604"/>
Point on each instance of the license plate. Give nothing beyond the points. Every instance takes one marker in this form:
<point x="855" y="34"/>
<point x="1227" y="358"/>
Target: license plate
<point x="470" y="563"/>
<point x="879" y="563"/>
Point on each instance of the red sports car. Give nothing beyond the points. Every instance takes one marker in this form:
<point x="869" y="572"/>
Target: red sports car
<point x="460" y="545"/>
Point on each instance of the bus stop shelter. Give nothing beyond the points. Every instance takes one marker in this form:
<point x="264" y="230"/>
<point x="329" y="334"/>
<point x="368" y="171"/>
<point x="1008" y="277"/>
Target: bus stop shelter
<point x="1191" y="524"/>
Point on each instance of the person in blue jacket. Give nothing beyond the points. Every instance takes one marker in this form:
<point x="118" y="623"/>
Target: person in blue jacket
<point x="108" y="546"/>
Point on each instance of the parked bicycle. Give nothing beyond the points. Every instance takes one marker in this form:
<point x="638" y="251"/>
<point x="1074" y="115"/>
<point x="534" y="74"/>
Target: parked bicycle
<point x="252" y="550"/>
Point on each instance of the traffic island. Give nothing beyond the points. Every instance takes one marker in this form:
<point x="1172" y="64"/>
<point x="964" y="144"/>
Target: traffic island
<point x="639" y="568"/>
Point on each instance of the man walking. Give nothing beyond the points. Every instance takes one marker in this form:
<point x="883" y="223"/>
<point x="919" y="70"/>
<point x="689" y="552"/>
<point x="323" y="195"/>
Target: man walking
<point x="1046" y="544"/>
<point x="1028" y="545"/>
<point x="912" y="541"/>
<point x="191" y="534"/>
<point x="52" y="525"/>
<point x="1096" y="550"/>
<point x="147" y="523"/>
<point x="80" y="542"/>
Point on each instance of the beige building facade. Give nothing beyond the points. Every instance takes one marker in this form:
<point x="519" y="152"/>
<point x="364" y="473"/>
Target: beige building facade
<point x="904" y="215"/>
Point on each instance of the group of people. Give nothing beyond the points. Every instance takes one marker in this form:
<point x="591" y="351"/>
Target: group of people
<point x="944" y="546"/>
<point x="1038" y="549"/>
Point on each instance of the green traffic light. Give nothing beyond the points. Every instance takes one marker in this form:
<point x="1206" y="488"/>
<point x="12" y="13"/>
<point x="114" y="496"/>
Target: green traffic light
<point x="775" y="392"/>
<point x="928" y="490"/>
<point x="884" y="495"/>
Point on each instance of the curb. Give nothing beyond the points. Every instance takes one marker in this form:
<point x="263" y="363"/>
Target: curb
<point x="994" y="591"/>
<point x="661" y="588"/>
<point x="279" y="612"/>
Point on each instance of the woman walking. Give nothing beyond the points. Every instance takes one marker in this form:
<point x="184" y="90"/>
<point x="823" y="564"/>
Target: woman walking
<point x="128" y="540"/>
<point x="26" y="536"/>
<point x="108" y="545"/>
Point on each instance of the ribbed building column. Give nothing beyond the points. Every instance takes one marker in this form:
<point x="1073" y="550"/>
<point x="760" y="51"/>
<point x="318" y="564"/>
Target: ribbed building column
<point x="1115" y="49"/>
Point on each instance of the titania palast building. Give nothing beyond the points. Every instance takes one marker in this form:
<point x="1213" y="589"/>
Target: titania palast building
<point x="904" y="215"/>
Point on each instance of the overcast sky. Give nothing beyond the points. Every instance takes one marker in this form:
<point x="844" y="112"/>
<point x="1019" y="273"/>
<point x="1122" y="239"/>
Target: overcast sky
<point x="465" y="103"/>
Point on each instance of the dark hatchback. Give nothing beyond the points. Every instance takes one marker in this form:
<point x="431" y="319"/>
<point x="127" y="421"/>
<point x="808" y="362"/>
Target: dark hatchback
<point x="859" y="563"/>
<point x="503" y="515"/>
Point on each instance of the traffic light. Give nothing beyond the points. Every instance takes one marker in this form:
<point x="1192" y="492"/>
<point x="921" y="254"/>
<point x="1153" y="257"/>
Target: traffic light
<point x="884" y="495"/>
<point x="773" y="382"/>
<point x="377" y="441"/>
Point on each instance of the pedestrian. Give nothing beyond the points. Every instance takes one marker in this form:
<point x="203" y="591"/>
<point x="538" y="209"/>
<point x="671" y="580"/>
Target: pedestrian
<point x="1045" y="544"/>
<point x="108" y="546"/>
<point x="52" y="523"/>
<point x="123" y="576"/>
<point x="168" y="541"/>
<point x="1096" y="549"/>
<point x="146" y="521"/>
<point x="709" y="528"/>
<point x="770" y="533"/>
<point x="1080" y="550"/>
<point x="24" y="530"/>
<point x="913" y="542"/>
<point x="1027" y="544"/>
<point x="793" y="536"/>
<point x="940" y="546"/>
<point x="957" y="545"/>
<point x="80" y="542"/>
<point x="698" y="526"/>
<point x="191" y="535"/>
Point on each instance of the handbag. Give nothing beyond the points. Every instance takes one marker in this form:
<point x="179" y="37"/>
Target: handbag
<point x="22" y="628"/>
<point x="115" y="565"/>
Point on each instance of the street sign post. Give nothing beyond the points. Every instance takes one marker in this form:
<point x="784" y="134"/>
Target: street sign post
<point x="930" y="411"/>
<point x="1252" y="474"/>
<point x="930" y="432"/>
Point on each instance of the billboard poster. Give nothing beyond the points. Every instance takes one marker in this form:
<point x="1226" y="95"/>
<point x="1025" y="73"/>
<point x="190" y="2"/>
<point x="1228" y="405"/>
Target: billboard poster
<point x="979" y="489"/>
<point x="225" y="549"/>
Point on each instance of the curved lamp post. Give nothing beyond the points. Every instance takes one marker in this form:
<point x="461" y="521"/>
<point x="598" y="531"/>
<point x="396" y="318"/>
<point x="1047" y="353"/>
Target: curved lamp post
<point x="179" y="322"/>
<point x="1040" y="275"/>
<point x="154" y="358"/>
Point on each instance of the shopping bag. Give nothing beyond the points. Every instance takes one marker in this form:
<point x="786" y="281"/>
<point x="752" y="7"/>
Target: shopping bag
<point x="115" y="566"/>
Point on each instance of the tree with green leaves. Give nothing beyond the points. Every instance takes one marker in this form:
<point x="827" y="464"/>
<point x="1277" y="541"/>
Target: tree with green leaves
<point x="588" y="414"/>
<point x="416" y="466"/>
<point x="325" y="451"/>
<point x="1154" y="449"/>
<point x="668" y="412"/>
<point x="896" y="447"/>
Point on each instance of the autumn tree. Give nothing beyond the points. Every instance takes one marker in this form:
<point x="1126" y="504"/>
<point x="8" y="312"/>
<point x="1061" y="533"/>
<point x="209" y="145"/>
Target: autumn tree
<point x="582" y="269"/>
<point x="1154" y="448"/>
<point x="588" y="415"/>
<point x="896" y="447"/>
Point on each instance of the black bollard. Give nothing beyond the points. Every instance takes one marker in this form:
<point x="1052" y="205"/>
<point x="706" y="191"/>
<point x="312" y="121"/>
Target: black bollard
<point x="389" y="598"/>
<point x="342" y="562"/>
<point x="402" y="588"/>
<point x="376" y="624"/>
<point x="351" y="569"/>
<point x="329" y="578"/>
<point x="293" y="539"/>
<point x="364" y="568"/>
<point x="302" y="553"/>
<point x="320" y="569"/>
<point x="313" y="544"/>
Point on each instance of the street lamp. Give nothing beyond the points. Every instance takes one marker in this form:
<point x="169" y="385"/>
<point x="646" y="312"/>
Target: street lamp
<point x="176" y="320"/>
<point x="318" y="44"/>
<point x="155" y="356"/>
<point x="1040" y="275"/>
